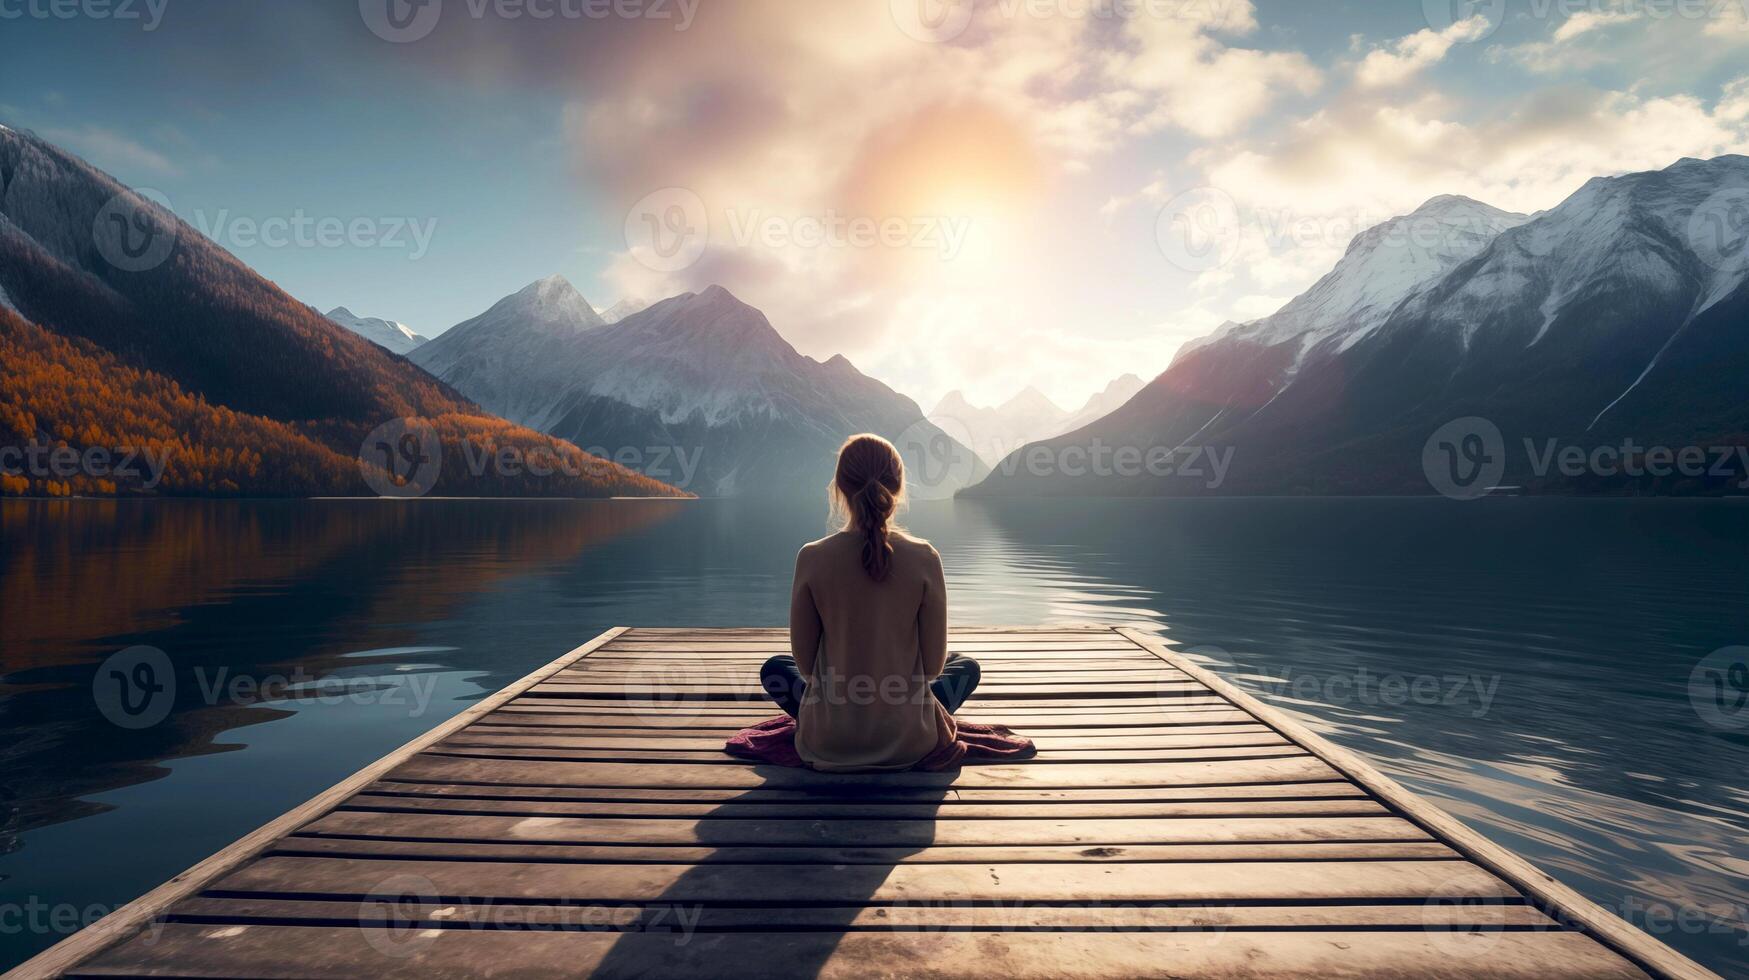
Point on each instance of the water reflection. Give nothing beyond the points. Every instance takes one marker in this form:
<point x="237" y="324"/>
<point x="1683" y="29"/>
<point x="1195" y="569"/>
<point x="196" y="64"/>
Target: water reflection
<point x="1552" y="641"/>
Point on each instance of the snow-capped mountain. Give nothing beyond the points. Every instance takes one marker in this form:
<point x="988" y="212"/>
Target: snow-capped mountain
<point x="1383" y="266"/>
<point x="510" y="357"/>
<point x="390" y="334"/>
<point x="1613" y="315"/>
<point x="698" y="381"/>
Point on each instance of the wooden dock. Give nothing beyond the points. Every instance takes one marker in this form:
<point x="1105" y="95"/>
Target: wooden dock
<point x="585" y="820"/>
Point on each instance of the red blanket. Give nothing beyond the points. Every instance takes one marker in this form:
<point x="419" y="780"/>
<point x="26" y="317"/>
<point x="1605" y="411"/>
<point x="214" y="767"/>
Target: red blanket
<point x="773" y="741"/>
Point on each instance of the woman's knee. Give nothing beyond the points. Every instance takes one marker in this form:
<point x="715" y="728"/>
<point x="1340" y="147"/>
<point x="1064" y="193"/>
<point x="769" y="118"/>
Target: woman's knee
<point x="779" y="665"/>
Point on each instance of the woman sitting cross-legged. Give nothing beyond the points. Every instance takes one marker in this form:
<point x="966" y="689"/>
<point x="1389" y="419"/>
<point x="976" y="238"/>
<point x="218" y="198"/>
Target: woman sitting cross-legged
<point x="870" y="683"/>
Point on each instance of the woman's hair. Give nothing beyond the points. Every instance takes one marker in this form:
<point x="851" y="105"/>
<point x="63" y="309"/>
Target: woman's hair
<point x="868" y="487"/>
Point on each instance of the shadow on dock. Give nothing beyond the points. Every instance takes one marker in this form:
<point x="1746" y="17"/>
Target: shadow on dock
<point x="807" y="903"/>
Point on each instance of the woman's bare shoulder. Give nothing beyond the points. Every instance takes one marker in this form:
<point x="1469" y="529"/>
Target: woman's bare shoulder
<point x="905" y="540"/>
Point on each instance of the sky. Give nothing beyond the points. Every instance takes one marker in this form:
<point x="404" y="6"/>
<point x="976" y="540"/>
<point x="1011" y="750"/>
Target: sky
<point x="955" y="194"/>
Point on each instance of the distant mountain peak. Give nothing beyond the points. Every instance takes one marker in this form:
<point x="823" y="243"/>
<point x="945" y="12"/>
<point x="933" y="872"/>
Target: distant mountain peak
<point x="1383" y="266"/>
<point x="1032" y="404"/>
<point x="1446" y="203"/>
<point x="715" y="296"/>
<point x="703" y="371"/>
<point x="953" y="403"/>
<point x="551" y="302"/>
<point x="391" y="334"/>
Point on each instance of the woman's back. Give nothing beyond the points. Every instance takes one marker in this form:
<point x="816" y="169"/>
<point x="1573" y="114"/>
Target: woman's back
<point x="875" y="646"/>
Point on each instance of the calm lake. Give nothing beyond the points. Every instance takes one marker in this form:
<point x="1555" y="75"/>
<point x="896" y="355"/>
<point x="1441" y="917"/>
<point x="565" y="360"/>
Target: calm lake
<point x="1525" y="662"/>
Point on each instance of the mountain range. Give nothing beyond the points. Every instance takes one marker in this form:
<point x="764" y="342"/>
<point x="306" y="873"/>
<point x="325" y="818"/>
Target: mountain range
<point x="697" y="389"/>
<point x="126" y="329"/>
<point x="388" y="334"/>
<point x="1615" y="319"/>
<point x="1619" y="318"/>
<point x="994" y="432"/>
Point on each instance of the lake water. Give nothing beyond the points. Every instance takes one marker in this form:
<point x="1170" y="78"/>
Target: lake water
<point x="1528" y="663"/>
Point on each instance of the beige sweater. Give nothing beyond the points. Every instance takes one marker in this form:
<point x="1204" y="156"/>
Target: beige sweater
<point x="868" y="651"/>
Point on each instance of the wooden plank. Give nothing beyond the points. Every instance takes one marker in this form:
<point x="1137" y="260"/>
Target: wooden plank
<point x="337" y="952"/>
<point x="1034" y="724"/>
<point x="999" y="645"/>
<point x="562" y="738"/>
<point x="683" y="687"/>
<point x="1138" y="707"/>
<point x="807" y="795"/>
<point x="697" y="737"/>
<point x="127" y="920"/>
<point x="716" y="757"/>
<point x="718" y="883"/>
<point x="1086" y="703"/>
<point x="447" y="769"/>
<point x="1620" y="936"/>
<point x="1078" y="678"/>
<point x="921" y="917"/>
<point x="950" y="810"/>
<point x="858" y="833"/>
<point x="1322" y="851"/>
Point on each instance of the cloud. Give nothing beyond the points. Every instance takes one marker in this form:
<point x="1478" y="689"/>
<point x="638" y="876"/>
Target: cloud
<point x="1730" y="21"/>
<point x="1668" y="41"/>
<point x="842" y="114"/>
<point x="1304" y="194"/>
<point x="1586" y="21"/>
<point x="1153" y="192"/>
<point x="1409" y="56"/>
<point x="1194" y="81"/>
